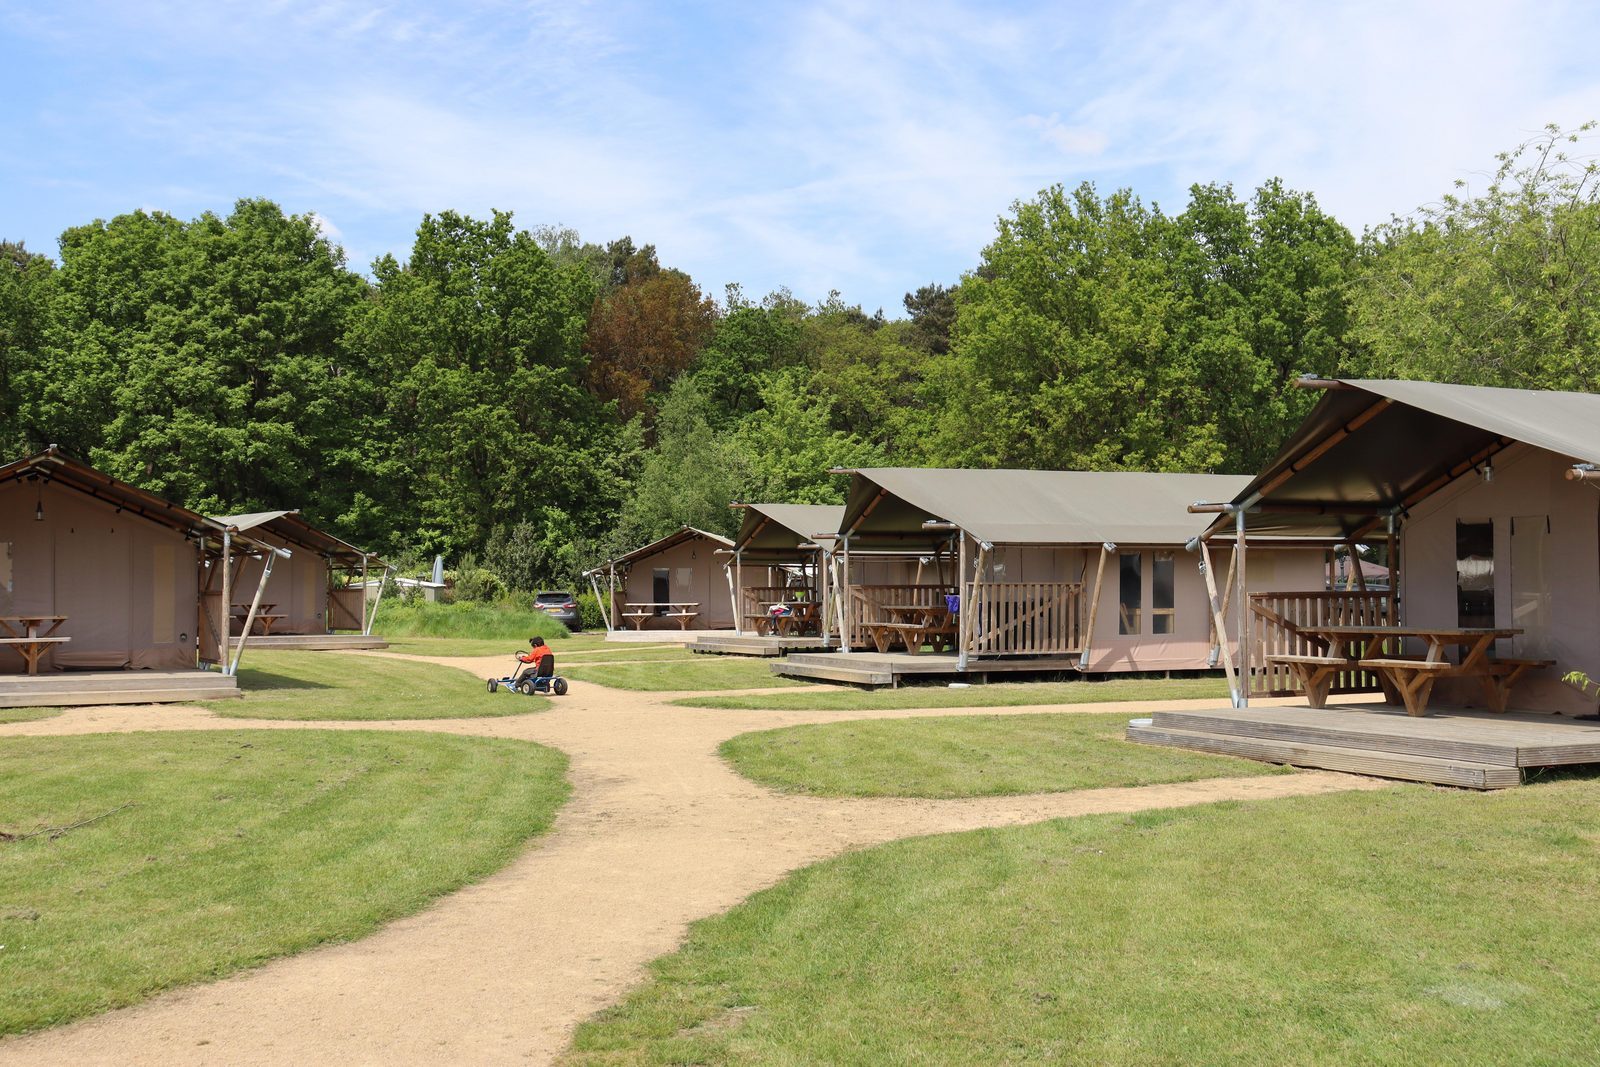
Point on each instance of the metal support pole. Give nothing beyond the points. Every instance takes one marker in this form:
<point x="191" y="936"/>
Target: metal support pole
<point x="227" y="601"/>
<point x="736" y="589"/>
<point x="842" y="595"/>
<point x="963" y="589"/>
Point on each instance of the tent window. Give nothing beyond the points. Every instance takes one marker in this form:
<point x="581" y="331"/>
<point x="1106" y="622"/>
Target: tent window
<point x="1132" y="592"/>
<point x="1474" y="573"/>
<point x="5" y="567"/>
<point x="1163" y="594"/>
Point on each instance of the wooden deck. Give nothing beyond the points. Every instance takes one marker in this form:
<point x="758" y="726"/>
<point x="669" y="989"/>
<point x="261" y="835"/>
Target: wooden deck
<point x="1470" y="748"/>
<point x="727" y="643"/>
<point x="312" y="642"/>
<point x="673" y="636"/>
<point x="56" y="689"/>
<point x="887" y="668"/>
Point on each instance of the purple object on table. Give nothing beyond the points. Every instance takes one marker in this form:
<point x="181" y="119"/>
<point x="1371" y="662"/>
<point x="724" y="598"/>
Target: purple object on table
<point x="952" y="603"/>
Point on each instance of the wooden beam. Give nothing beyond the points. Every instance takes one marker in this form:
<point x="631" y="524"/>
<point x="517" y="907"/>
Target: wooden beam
<point x="1219" y="621"/>
<point x="1094" y="606"/>
<point x="868" y="510"/>
<point x="1322" y="448"/>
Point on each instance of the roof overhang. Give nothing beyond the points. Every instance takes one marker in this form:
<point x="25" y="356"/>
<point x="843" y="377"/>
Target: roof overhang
<point x="1371" y="449"/>
<point x="289" y="527"/>
<point x="672" y="540"/>
<point x="785" y="533"/>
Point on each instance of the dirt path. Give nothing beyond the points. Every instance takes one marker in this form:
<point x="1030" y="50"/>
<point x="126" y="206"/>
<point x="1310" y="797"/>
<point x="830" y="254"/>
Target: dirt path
<point x="659" y="833"/>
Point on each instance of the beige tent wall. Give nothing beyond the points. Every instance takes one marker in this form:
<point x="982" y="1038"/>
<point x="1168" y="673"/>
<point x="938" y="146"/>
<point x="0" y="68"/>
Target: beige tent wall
<point x="297" y="589"/>
<point x="128" y="587"/>
<point x="697" y="578"/>
<point x="1188" y="647"/>
<point x="1529" y="485"/>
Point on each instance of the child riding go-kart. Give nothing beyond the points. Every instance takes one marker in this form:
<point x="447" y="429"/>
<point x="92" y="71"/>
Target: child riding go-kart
<point x="536" y="673"/>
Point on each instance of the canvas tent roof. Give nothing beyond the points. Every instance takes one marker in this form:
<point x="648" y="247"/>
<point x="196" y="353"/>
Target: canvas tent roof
<point x="889" y="505"/>
<point x="677" y="537"/>
<point x="785" y="527"/>
<point x="1370" y="446"/>
<point x="289" y="526"/>
<point x="54" y="465"/>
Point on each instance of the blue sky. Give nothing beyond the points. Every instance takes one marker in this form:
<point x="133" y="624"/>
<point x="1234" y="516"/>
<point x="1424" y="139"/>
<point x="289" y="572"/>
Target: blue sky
<point x="861" y="147"/>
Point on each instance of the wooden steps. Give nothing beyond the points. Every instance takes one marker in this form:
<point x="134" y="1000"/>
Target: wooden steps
<point x="1380" y="764"/>
<point x="1469" y="748"/>
<point x="76" y="688"/>
<point x="829" y="669"/>
<point x="752" y="645"/>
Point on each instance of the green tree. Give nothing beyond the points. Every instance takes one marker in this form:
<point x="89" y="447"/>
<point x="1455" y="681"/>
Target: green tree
<point x="645" y="331"/>
<point x="202" y="360"/>
<point x="691" y="476"/>
<point x="749" y="342"/>
<point x="789" y="446"/>
<point x="27" y="283"/>
<point x="1502" y="288"/>
<point x="475" y="350"/>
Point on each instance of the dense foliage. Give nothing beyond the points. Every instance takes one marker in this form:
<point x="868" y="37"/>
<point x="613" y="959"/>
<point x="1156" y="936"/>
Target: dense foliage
<point x="536" y="401"/>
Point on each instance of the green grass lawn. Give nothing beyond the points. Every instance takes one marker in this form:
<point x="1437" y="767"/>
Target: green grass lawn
<point x="238" y="846"/>
<point x="967" y="756"/>
<point x="328" y="685"/>
<point x="26" y="714"/>
<point x="687" y="672"/>
<point x="997" y="695"/>
<point x="469" y="620"/>
<point x="583" y="646"/>
<point x="1413" y="925"/>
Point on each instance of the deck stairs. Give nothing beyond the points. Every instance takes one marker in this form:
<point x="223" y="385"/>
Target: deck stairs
<point x="71" y="688"/>
<point x="731" y="644"/>
<point x="1467" y="749"/>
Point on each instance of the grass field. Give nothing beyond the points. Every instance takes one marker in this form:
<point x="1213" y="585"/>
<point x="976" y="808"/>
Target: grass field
<point x="471" y="620"/>
<point x="577" y="648"/>
<point x="1413" y="925"/>
<point x="688" y="672"/>
<point x="997" y="695"/>
<point x="326" y="685"/>
<point x="26" y="714"/>
<point x="221" y="850"/>
<point x="967" y="756"/>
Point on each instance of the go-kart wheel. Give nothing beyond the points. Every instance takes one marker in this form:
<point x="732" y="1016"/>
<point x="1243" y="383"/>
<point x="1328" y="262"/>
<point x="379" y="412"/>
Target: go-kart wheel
<point x="560" y="686"/>
<point x="526" y="689"/>
<point x="494" y="684"/>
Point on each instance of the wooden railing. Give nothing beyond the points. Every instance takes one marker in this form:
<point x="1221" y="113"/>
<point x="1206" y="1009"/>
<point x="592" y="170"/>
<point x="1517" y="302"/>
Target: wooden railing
<point x="1024" y="618"/>
<point x="866" y="605"/>
<point x="1275" y="624"/>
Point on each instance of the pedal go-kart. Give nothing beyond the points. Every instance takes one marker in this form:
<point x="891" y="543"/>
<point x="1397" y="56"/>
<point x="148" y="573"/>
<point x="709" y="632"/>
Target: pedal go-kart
<point x="540" y="679"/>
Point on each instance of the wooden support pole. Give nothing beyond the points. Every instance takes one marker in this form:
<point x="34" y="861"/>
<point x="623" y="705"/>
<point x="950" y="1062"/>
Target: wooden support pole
<point x="372" y="616"/>
<point x="964" y="620"/>
<point x="1219" y="623"/>
<point x="733" y="594"/>
<point x="1242" y="700"/>
<point x="255" y="605"/>
<point x="1355" y="562"/>
<point x="1106" y="548"/>
<point x="736" y="582"/>
<point x="605" y="613"/>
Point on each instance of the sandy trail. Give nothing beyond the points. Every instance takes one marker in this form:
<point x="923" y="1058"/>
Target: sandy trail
<point x="659" y="833"/>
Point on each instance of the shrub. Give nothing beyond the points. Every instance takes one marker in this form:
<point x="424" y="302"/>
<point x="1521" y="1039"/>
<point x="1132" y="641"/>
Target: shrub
<point x="589" y="616"/>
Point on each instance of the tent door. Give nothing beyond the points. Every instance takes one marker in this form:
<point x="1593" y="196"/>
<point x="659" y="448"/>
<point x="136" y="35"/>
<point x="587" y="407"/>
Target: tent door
<point x="1530" y="584"/>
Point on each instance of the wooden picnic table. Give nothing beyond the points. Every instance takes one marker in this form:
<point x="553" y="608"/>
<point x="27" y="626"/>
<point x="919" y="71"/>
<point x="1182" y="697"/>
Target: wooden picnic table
<point x="1408" y="680"/>
<point x="914" y="625"/>
<point x="22" y="633"/>
<point x="800" y="616"/>
<point x="265" y="617"/>
<point x="682" y="612"/>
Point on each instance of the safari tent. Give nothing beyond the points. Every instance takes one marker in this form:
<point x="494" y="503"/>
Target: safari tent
<point x="1053" y="570"/>
<point x="1489" y="501"/>
<point x="677" y="583"/>
<point x="316" y="593"/>
<point x="101" y="582"/>
<point x="780" y="555"/>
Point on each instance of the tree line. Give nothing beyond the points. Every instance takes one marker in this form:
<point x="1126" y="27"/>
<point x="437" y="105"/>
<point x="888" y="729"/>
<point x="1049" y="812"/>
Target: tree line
<point x="540" y="401"/>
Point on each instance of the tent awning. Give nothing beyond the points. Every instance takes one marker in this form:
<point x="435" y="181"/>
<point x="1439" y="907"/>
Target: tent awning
<point x="1370" y="447"/>
<point x="677" y="537"/>
<point x="914" y="508"/>
<point x="289" y="526"/>
<point x="784" y="533"/>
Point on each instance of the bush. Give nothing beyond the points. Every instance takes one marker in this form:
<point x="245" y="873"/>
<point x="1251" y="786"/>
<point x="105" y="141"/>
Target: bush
<point x="487" y="621"/>
<point x="474" y="583"/>
<point x="589" y="616"/>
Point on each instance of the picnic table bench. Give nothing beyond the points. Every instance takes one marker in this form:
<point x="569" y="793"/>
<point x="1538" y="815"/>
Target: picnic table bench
<point x="22" y="633"/>
<point x="681" y="612"/>
<point x="1405" y="679"/>
<point x="265" y="617"/>
<point x="914" y="625"/>
<point x="797" y="617"/>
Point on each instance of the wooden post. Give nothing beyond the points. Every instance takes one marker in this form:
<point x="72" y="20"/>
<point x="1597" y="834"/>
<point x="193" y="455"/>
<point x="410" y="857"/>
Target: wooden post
<point x="1106" y="548"/>
<point x="738" y="581"/>
<point x="605" y="612"/>
<point x="1355" y="562"/>
<point x="964" y="620"/>
<point x="844" y="596"/>
<point x="1242" y="700"/>
<point x="1219" y="623"/>
<point x="255" y="605"/>
<point x="1393" y="552"/>
<point x="227" y="597"/>
<point x="372" y="616"/>
<point x="733" y="596"/>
